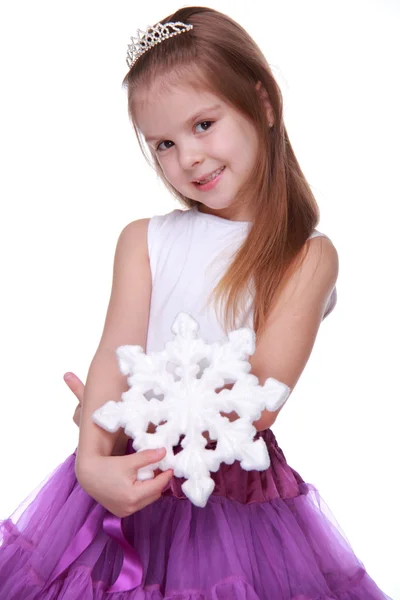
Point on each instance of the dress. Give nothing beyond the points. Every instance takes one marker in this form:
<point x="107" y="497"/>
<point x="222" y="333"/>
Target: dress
<point x="262" y="535"/>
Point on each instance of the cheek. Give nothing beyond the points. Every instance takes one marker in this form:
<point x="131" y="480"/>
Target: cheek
<point x="162" y="164"/>
<point x="234" y="143"/>
<point x="168" y="167"/>
<point x="223" y="148"/>
<point x="246" y="145"/>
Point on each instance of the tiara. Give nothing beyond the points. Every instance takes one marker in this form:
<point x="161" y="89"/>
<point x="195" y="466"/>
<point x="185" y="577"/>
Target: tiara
<point x="154" y="34"/>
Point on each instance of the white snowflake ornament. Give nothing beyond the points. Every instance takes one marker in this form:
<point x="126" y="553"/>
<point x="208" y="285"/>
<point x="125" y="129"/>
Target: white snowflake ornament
<point x="175" y="389"/>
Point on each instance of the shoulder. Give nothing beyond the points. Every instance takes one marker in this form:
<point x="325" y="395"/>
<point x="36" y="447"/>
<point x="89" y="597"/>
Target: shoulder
<point x="306" y="289"/>
<point x="309" y="285"/>
<point x="171" y="218"/>
<point x="133" y="237"/>
<point x="128" y="309"/>
<point x="140" y="234"/>
<point x="165" y="227"/>
<point x="321" y="262"/>
<point x="138" y="227"/>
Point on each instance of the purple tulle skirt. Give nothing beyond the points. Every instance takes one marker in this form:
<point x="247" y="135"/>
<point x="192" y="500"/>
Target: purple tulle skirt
<point x="262" y="536"/>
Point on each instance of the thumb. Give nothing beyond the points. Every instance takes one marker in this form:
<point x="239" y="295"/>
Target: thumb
<point x="143" y="458"/>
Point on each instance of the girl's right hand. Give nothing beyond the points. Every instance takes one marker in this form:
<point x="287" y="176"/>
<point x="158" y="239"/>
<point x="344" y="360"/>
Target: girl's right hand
<point x="112" y="481"/>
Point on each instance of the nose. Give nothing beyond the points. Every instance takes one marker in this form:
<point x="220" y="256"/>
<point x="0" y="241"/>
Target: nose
<point x="190" y="156"/>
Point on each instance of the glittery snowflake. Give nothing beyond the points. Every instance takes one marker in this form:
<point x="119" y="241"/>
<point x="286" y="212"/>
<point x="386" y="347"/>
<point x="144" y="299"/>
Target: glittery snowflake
<point x="179" y="391"/>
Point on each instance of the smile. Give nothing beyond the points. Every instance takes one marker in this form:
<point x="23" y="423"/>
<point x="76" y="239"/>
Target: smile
<point x="213" y="175"/>
<point x="210" y="181"/>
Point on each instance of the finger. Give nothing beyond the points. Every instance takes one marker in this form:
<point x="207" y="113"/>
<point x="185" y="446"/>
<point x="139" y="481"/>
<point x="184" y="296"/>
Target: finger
<point x="75" y="385"/>
<point x="146" y="457"/>
<point x="149" y="491"/>
<point x="155" y="486"/>
<point x="164" y="478"/>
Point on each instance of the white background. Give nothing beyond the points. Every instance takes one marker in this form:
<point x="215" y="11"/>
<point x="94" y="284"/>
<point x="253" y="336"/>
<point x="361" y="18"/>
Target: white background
<point x="73" y="177"/>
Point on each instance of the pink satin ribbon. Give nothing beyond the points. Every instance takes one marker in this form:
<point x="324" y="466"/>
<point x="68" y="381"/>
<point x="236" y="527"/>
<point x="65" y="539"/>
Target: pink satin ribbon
<point x="131" y="574"/>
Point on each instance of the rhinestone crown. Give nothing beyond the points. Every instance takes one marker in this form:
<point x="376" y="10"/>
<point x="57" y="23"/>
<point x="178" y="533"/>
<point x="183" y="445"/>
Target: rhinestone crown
<point x="154" y="34"/>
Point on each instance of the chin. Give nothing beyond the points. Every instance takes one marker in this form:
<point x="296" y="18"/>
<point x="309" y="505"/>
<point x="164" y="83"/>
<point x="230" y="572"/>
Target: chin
<point x="217" y="204"/>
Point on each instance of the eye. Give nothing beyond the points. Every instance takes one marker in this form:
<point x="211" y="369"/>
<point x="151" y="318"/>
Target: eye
<point x="159" y="149"/>
<point x="207" y="124"/>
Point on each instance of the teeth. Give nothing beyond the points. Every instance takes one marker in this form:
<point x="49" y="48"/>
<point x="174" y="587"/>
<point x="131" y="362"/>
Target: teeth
<point x="212" y="176"/>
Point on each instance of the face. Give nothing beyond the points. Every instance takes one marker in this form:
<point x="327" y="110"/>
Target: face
<point x="205" y="147"/>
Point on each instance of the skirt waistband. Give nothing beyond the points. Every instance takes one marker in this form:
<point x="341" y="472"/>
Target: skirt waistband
<point x="231" y="481"/>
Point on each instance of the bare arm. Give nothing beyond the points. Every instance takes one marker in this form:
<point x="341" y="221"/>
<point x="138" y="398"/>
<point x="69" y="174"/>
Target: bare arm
<point x="126" y="323"/>
<point x="77" y="387"/>
<point x="285" y="345"/>
<point x="104" y="382"/>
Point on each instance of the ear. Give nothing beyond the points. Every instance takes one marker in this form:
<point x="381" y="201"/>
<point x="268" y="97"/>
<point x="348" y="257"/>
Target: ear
<point x="265" y="98"/>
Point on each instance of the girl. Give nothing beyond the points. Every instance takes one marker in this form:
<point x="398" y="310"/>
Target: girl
<point x="244" y="252"/>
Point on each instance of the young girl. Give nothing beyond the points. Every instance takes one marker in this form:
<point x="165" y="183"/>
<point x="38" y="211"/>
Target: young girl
<point x="244" y="252"/>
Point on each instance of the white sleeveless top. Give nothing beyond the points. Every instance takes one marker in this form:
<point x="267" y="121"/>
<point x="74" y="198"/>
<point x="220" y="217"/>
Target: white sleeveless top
<point x="189" y="251"/>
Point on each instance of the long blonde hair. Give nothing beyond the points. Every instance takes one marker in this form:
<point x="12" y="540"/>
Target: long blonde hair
<point x="229" y="63"/>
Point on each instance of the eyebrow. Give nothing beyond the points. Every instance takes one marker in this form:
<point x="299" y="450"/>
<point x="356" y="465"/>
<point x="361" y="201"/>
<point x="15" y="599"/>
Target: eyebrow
<point x="201" y="112"/>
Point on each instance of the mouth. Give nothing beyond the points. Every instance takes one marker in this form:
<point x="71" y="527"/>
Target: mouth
<point x="209" y="177"/>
